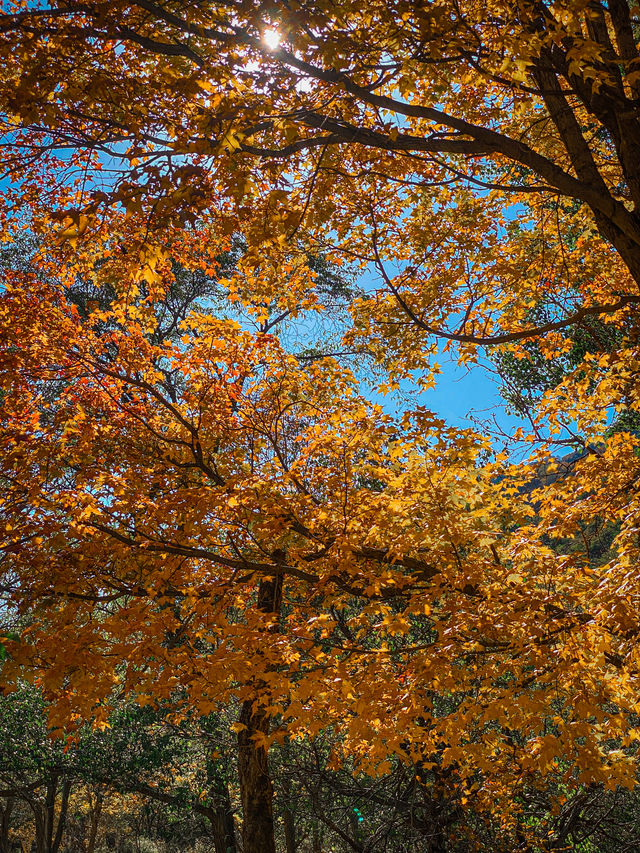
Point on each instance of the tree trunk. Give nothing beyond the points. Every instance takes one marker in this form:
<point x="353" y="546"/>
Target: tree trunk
<point x="256" y="789"/>
<point x="288" y="816"/>
<point x="317" y="839"/>
<point x="289" y="831"/>
<point x="49" y="814"/>
<point x="62" y="816"/>
<point x="44" y="816"/>
<point x="40" y="841"/>
<point x="96" y="810"/>
<point x="221" y="819"/>
<point x="5" y="815"/>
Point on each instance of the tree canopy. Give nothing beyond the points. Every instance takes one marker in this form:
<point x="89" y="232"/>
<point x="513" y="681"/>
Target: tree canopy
<point x="205" y="504"/>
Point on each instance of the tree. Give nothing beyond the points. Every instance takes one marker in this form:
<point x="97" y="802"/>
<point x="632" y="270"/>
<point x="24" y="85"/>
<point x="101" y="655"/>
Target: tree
<point x="547" y="112"/>
<point x="210" y="492"/>
<point x="276" y="539"/>
<point x="68" y="784"/>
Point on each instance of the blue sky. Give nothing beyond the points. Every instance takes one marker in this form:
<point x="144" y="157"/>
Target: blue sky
<point x="463" y="395"/>
<point x="462" y="390"/>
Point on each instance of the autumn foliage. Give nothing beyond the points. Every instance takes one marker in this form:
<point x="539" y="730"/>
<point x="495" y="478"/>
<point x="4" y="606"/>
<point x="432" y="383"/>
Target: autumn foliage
<point x="203" y="504"/>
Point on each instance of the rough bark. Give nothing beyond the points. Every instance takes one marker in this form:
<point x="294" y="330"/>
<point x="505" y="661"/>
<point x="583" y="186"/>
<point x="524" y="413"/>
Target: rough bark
<point x="256" y="788"/>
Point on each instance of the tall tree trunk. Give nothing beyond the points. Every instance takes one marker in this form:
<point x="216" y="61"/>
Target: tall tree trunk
<point x="256" y="789"/>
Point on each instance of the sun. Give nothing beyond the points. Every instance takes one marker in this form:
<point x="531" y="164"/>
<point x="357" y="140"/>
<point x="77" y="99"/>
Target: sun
<point x="272" y="39"/>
